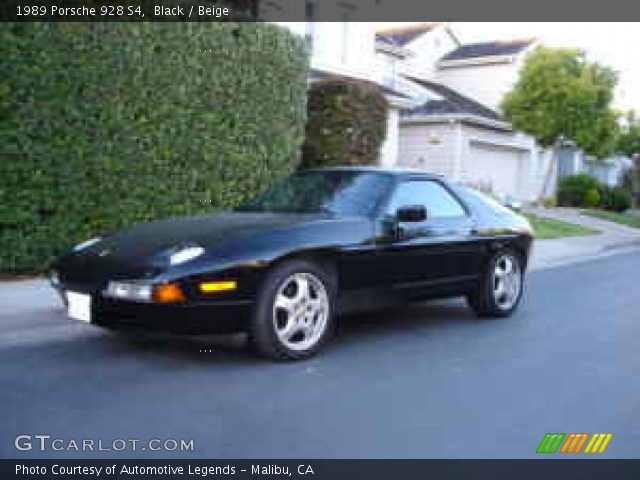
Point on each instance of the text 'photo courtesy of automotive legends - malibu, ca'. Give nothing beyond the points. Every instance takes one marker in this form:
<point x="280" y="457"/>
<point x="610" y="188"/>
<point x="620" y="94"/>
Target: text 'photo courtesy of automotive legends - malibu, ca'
<point x="283" y="266"/>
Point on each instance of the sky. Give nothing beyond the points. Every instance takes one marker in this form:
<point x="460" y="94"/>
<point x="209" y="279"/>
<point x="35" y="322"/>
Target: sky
<point x="613" y="44"/>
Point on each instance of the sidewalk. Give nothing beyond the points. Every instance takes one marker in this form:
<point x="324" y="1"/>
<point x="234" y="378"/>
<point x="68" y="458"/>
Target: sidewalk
<point x="562" y="251"/>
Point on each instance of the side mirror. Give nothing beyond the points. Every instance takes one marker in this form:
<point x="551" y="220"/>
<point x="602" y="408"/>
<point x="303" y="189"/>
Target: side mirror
<point x="411" y="213"/>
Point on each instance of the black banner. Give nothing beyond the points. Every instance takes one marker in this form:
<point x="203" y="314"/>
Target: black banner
<point x="542" y="469"/>
<point x="316" y="10"/>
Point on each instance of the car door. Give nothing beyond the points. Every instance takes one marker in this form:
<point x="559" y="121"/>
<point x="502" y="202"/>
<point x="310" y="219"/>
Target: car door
<point x="440" y="251"/>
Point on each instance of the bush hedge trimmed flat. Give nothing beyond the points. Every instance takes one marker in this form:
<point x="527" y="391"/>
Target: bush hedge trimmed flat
<point x="107" y="124"/>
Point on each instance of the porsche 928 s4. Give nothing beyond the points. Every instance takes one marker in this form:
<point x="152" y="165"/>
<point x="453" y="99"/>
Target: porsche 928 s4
<point x="282" y="266"/>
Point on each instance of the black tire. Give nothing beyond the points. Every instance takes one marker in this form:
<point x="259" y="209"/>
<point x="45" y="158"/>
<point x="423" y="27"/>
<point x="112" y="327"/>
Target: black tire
<point x="482" y="300"/>
<point x="262" y="330"/>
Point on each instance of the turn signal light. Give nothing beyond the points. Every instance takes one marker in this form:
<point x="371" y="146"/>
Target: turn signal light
<point x="168" y="293"/>
<point x="220" y="286"/>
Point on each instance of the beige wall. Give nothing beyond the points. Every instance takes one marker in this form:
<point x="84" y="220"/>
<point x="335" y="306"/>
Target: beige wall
<point x="486" y="84"/>
<point x="426" y="50"/>
<point x="429" y="147"/>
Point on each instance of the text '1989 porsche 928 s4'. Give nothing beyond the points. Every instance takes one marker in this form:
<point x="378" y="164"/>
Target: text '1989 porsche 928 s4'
<point x="280" y="267"/>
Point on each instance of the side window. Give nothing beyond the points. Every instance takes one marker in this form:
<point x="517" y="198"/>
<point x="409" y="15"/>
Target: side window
<point x="434" y="197"/>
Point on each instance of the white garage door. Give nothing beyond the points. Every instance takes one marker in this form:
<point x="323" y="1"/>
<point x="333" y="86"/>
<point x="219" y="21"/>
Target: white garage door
<point x="499" y="168"/>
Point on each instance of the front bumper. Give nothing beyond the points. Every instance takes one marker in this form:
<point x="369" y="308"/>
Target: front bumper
<point x="190" y="317"/>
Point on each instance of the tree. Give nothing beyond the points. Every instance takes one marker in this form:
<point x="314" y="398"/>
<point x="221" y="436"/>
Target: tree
<point x="561" y="94"/>
<point x="346" y="123"/>
<point x="629" y="138"/>
<point x="629" y="145"/>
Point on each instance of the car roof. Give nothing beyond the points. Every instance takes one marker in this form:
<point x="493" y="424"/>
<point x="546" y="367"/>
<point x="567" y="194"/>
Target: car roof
<point x="396" y="172"/>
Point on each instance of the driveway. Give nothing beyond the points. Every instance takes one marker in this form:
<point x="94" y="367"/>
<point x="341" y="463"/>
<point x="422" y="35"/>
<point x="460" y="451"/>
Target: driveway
<point x="426" y="381"/>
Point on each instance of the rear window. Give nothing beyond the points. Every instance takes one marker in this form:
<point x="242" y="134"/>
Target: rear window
<point x="485" y="200"/>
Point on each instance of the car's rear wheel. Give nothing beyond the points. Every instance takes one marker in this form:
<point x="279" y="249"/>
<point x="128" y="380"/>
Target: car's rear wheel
<point x="294" y="314"/>
<point x="500" y="288"/>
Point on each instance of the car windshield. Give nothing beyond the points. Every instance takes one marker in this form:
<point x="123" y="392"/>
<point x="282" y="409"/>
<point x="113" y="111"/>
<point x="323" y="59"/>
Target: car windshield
<point x="340" y="192"/>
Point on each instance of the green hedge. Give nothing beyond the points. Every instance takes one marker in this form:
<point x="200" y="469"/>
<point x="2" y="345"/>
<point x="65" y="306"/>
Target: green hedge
<point x="107" y="124"/>
<point x="347" y="123"/>
<point x="615" y="199"/>
<point x="583" y="190"/>
<point x="572" y="189"/>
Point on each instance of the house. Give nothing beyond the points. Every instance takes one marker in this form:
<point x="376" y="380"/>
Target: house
<point x="456" y="128"/>
<point x="444" y="98"/>
<point x="418" y="48"/>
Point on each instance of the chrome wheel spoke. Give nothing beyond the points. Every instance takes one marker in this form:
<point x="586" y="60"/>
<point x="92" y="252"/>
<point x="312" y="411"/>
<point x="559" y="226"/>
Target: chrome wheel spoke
<point x="508" y="266"/>
<point x="302" y="288"/>
<point x="314" y="306"/>
<point x="284" y="303"/>
<point x="308" y="330"/>
<point x="289" y="330"/>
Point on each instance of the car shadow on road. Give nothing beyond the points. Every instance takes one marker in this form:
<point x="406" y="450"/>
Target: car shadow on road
<point x="386" y="324"/>
<point x="379" y="327"/>
<point x="205" y="348"/>
<point x="404" y="320"/>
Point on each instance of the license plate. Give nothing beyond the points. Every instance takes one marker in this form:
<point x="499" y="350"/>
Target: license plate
<point x="79" y="306"/>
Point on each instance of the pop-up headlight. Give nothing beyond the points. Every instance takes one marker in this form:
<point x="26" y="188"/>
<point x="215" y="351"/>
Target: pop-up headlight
<point x="86" y="244"/>
<point x="185" y="254"/>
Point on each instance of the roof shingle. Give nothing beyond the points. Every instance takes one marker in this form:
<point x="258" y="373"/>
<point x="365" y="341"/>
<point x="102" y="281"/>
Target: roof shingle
<point x="488" y="49"/>
<point x="401" y="36"/>
<point x="451" y="102"/>
<point x="316" y="74"/>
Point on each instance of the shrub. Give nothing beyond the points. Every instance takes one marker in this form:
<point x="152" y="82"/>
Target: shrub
<point x="616" y="199"/>
<point x="631" y="182"/>
<point x="573" y="188"/>
<point x="346" y="123"/>
<point x="550" y="202"/>
<point x="629" y="179"/>
<point x="107" y="124"/>
<point x="591" y="198"/>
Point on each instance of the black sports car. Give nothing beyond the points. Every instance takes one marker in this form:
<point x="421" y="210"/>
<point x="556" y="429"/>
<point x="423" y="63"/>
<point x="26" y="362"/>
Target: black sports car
<point x="280" y="266"/>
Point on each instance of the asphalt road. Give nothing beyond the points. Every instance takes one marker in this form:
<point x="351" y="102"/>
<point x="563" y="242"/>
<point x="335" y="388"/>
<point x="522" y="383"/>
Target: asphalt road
<point x="428" y="381"/>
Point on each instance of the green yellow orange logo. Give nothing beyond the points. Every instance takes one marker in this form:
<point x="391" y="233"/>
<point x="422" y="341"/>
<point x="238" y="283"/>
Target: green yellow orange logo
<point x="574" y="442"/>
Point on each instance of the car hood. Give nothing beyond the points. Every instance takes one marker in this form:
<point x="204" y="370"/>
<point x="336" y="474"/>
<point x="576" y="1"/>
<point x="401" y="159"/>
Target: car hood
<point x="151" y="239"/>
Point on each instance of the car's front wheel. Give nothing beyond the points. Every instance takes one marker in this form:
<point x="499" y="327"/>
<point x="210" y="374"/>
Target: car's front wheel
<point x="294" y="314"/>
<point x="499" y="290"/>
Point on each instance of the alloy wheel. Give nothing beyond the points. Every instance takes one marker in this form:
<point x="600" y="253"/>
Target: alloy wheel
<point x="300" y="311"/>
<point x="507" y="281"/>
